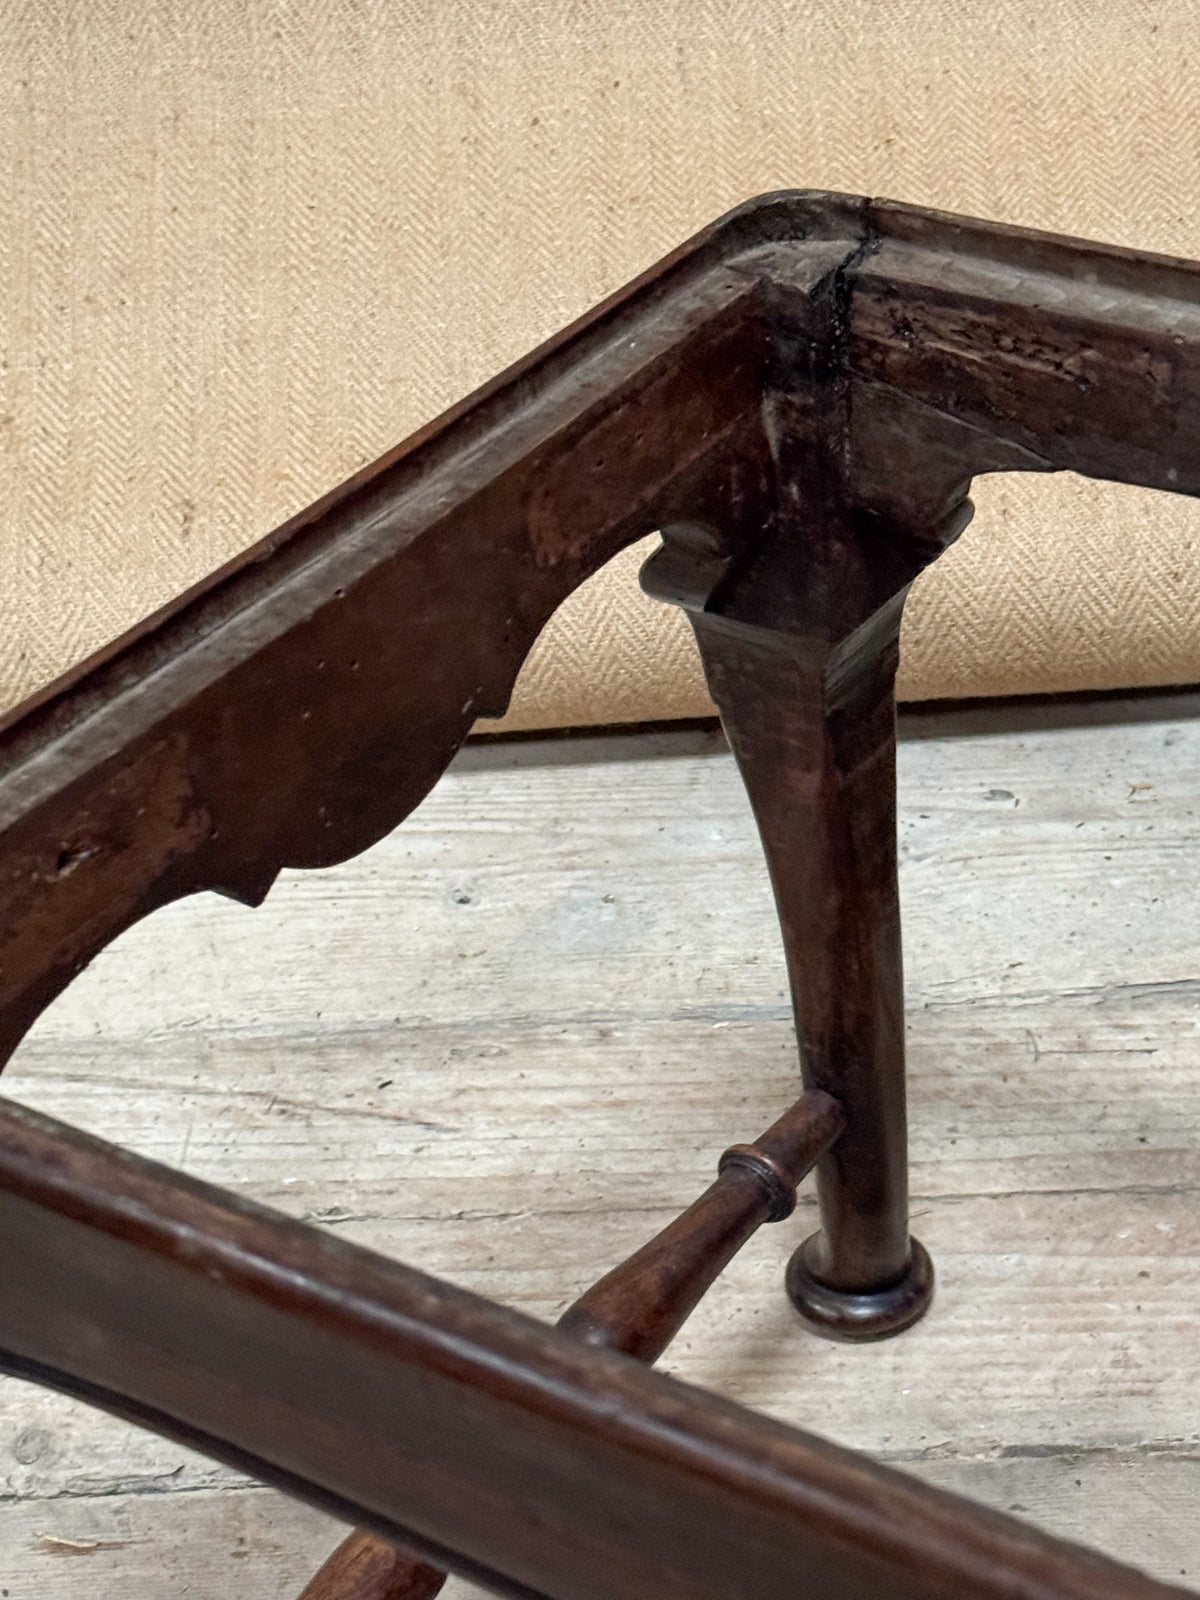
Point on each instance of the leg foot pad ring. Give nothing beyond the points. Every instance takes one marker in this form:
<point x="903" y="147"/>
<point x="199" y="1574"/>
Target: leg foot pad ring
<point x="858" y="1318"/>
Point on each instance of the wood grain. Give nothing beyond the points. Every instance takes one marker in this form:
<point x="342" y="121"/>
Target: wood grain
<point x="311" y="1054"/>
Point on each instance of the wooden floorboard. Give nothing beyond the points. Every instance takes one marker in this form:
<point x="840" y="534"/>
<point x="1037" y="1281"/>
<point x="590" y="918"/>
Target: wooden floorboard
<point x="465" y="1047"/>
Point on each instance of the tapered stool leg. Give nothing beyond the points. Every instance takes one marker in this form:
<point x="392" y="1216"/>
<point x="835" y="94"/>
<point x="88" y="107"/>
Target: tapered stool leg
<point x="813" y="731"/>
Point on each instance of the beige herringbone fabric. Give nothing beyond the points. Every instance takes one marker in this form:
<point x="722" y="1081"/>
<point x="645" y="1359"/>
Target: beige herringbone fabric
<point x="248" y="244"/>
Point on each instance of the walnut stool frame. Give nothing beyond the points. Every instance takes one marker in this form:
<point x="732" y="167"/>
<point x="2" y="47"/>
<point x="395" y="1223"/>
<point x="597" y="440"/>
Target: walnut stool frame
<point x="798" y="400"/>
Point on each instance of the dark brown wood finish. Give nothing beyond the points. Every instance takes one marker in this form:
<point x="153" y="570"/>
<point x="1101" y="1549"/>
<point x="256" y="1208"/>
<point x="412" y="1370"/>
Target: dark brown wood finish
<point x="798" y="399"/>
<point x="639" y="1306"/>
<point x="365" y="1567"/>
<point x="485" y="1441"/>
<point x="811" y="719"/>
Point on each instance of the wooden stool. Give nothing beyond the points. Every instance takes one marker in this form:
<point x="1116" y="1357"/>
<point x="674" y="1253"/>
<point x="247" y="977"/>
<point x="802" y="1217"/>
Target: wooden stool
<point x="798" y="400"/>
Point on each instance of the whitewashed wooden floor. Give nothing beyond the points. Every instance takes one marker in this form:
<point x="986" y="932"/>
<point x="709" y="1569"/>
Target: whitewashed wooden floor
<point x="466" y="1048"/>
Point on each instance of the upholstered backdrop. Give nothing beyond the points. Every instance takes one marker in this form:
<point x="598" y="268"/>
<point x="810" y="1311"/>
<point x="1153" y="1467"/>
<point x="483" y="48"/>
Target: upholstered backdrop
<point x="247" y="245"/>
